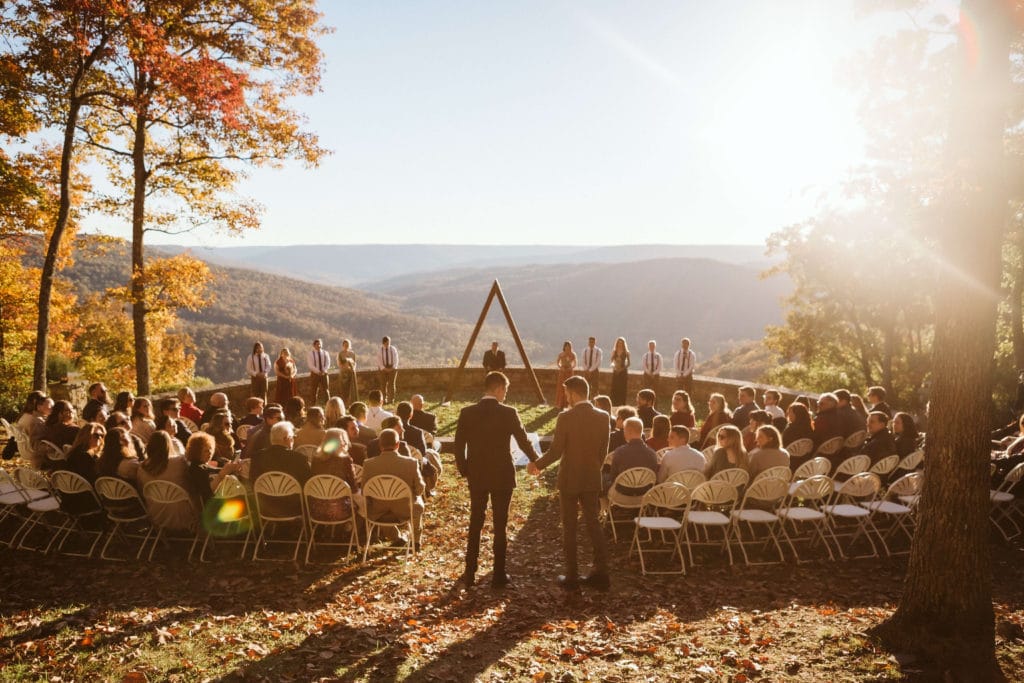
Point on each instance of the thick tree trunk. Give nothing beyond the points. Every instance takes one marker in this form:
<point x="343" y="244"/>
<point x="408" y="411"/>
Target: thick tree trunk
<point x="1017" y="313"/>
<point x="946" y="608"/>
<point x="138" y="258"/>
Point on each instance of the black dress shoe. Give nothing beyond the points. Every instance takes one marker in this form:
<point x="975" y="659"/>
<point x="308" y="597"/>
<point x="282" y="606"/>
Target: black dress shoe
<point x="600" y="581"/>
<point x="501" y="580"/>
<point x="468" y="579"/>
<point x="568" y="582"/>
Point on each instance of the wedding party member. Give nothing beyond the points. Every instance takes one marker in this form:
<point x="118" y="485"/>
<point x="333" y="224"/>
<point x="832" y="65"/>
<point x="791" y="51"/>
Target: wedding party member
<point x="285" y="370"/>
<point x="483" y="456"/>
<point x="684" y="362"/>
<point x="620" y="372"/>
<point x="348" y="385"/>
<point x="319" y="366"/>
<point x="494" y="359"/>
<point x="566" y="363"/>
<point x="387" y="369"/>
<point x="591" y="365"/>
<point x="258" y="365"/>
<point x="651" y="364"/>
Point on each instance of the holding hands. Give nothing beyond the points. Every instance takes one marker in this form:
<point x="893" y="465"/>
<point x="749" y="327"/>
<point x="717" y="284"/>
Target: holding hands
<point x="532" y="468"/>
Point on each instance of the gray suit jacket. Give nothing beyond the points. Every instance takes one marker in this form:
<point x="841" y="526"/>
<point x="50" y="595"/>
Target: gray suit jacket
<point x="581" y="443"/>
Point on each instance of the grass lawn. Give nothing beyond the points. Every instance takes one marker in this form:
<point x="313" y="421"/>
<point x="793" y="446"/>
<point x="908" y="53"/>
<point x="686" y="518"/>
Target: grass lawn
<point x="64" y="618"/>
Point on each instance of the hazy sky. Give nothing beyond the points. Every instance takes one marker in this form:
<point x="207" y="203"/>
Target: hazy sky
<point x="570" y="122"/>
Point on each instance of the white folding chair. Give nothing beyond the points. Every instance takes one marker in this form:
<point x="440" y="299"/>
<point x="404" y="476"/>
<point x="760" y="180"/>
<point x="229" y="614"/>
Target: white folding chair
<point x="801" y="509"/>
<point x="243" y="431"/>
<point x="166" y="505"/>
<point x="386" y="488"/>
<point x="758" y="510"/>
<point x="708" y="452"/>
<point x="322" y="489"/>
<point x="778" y="472"/>
<point x="851" y="466"/>
<point x="633" y="478"/>
<point x="124" y="507"/>
<point x="812" y="468"/>
<point x="901" y="516"/>
<point x="857" y="439"/>
<point x="308" y="450"/>
<point x="13" y="501"/>
<point x="800" y="448"/>
<point x="24" y="442"/>
<point x="910" y="462"/>
<point x="278" y="501"/>
<point x="830" y="446"/>
<point x="850" y="513"/>
<point x="734" y="475"/>
<point x="78" y="502"/>
<point x="710" y="507"/>
<point x="357" y="472"/>
<point x="712" y="438"/>
<point x="40" y="504"/>
<point x="691" y="479"/>
<point x="227" y="517"/>
<point x="657" y="502"/>
<point x="51" y="451"/>
<point x="1004" y="504"/>
<point x="884" y="467"/>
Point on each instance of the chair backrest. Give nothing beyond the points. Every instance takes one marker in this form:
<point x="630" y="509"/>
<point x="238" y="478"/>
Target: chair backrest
<point x="691" y="479"/>
<point x="907" y="485"/>
<point x="854" y="465"/>
<point x="243" y="432"/>
<point x="112" y="488"/>
<point x="812" y="468"/>
<point x="308" y="450"/>
<point x="386" y="487"/>
<point x="1012" y="477"/>
<point x="51" y="450"/>
<point x="636" y="477"/>
<point x="669" y="495"/>
<point x="357" y="472"/>
<point x="230" y="487"/>
<point x="713" y="435"/>
<point x="862" y="486"/>
<point x="885" y="465"/>
<point x="276" y="484"/>
<point x="189" y="424"/>
<point x="694" y="436"/>
<point x="800" y="448"/>
<point x="831" y="446"/>
<point x="708" y="452"/>
<point x="778" y="472"/>
<point x="70" y="483"/>
<point x="29" y="478"/>
<point x="119" y="499"/>
<point x="165" y="493"/>
<point x="734" y="475"/>
<point x="813" y="488"/>
<point x="169" y="506"/>
<point x="325" y="487"/>
<point x="912" y="461"/>
<point x="714" y="493"/>
<point x="663" y="451"/>
<point x="856" y="440"/>
<point x="766" y="489"/>
<point x="24" y="443"/>
<point x="6" y="426"/>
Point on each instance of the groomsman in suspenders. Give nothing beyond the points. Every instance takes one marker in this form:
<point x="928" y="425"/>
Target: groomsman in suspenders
<point x="387" y="365"/>
<point x="592" y="364"/>
<point x="684" y="362"/>
<point x="258" y="365"/>
<point x="651" y="365"/>
<point x="319" y="364"/>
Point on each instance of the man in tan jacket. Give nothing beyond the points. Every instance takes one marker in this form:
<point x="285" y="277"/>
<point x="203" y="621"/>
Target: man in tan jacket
<point x="405" y="468"/>
<point x="581" y="443"/>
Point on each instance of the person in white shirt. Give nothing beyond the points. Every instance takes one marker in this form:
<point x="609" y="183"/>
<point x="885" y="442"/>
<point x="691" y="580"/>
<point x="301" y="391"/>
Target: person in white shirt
<point x="771" y="406"/>
<point x="591" y="364"/>
<point x="258" y="365"/>
<point x="684" y="362"/>
<point x="375" y="414"/>
<point x="682" y="456"/>
<point x="319" y="364"/>
<point x="651" y="365"/>
<point x="387" y="366"/>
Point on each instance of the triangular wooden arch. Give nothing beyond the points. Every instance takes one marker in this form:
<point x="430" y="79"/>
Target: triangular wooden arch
<point x="495" y="292"/>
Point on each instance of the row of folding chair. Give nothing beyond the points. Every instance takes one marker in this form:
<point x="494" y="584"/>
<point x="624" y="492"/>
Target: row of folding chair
<point x="1006" y="506"/>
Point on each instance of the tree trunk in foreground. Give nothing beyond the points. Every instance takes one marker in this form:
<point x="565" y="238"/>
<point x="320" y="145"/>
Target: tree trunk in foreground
<point x="138" y="285"/>
<point x="945" y="612"/>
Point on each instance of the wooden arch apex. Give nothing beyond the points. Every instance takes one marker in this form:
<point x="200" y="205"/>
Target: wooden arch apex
<point x="495" y="292"/>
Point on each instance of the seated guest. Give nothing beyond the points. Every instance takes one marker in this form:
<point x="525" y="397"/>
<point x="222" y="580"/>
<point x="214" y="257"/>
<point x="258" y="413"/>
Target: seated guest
<point x="730" y="452"/>
<point x="767" y="452"/>
<point x="44" y="409"/>
<point x="850" y="421"/>
<point x="198" y="451"/>
<point x="365" y="434"/>
<point x="826" y="422"/>
<point x="605" y="403"/>
<point x="373" y="449"/>
<point x="858" y="404"/>
<point x="356" y="450"/>
<point x="60" y="428"/>
<point x="143" y="425"/>
<point x="123" y="402"/>
<point x="171" y="407"/>
<point x="659" y="433"/>
<point x="85" y="450"/>
<point x="718" y="414"/>
<point x="166" y="424"/>
<point x="160" y="465"/>
<point x="405" y="468"/>
<point x="375" y="412"/>
<point x="295" y="411"/>
<point x="220" y="429"/>
<point x="645" y="410"/>
<point x="121" y="420"/>
<point x="421" y="418"/>
<point x="411" y="434"/>
<point x="772" y="399"/>
<point x="905" y="432"/>
<point x="1015" y="445"/>
<point x="618" y="437"/>
<point x="253" y="411"/>
<point x="876" y="397"/>
<point x="748" y="404"/>
<point x="682" y="410"/>
<point x="96" y="404"/>
<point x="189" y="410"/>
<point x="880" y="443"/>
<point x="758" y="418"/>
<point x="259" y="436"/>
<point x="119" y="458"/>
<point x="681" y="455"/>
<point x="332" y="458"/>
<point x="218" y="404"/>
<point x="30" y="413"/>
<point x="799" y="424"/>
<point x="312" y="432"/>
<point x="634" y="453"/>
<point x="279" y="456"/>
<point x="333" y="412"/>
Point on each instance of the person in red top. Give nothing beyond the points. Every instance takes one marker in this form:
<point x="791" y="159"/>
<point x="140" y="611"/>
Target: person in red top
<point x="188" y="408"/>
<point x="682" y="410"/>
<point x="659" y="433"/>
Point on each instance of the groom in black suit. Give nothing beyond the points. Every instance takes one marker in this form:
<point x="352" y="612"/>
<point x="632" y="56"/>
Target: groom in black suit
<point x="483" y="456"/>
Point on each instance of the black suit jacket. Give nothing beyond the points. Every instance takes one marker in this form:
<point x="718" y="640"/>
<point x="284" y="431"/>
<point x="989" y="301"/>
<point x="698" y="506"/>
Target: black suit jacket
<point x="424" y="420"/>
<point x="279" y="459"/>
<point x="414" y="437"/>
<point x="482" y="445"/>
<point x="494" y="361"/>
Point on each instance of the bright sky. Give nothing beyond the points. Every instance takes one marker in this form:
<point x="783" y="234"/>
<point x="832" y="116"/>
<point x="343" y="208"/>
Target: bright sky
<point x="543" y="122"/>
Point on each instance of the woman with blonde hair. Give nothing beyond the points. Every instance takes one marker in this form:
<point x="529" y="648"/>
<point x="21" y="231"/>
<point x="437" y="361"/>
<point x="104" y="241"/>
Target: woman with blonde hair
<point x="334" y="411"/>
<point x="730" y="452"/>
<point x="285" y="370"/>
<point x="718" y="414"/>
<point x="620" y="372"/>
<point x="566" y="362"/>
<point x="143" y="425"/>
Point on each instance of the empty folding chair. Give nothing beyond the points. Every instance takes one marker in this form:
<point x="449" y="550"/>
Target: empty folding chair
<point x="639" y="479"/>
<point x="800" y="510"/>
<point x="42" y="508"/>
<point x="1004" y="504"/>
<point x="227" y="518"/>
<point x="172" y="512"/>
<point x="79" y="504"/>
<point x="778" y="472"/>
<point x="655" y="516"/>
<point x="734" y="475"/>
<point x="757" y="510"/>
<point x="691" y="479"/>
<point x="851" y="466"/>
<point x="710" y="507"/>
<point x="278" y="501"/>
<point x="386" y="488"/>
<point x="899" y="515"/>
<point x="329" y="506"/>
<point x="814" y="467"/>
<point x="51" y="451"/>
<point x="848" y="518"/>
<point x="124" y="507"/>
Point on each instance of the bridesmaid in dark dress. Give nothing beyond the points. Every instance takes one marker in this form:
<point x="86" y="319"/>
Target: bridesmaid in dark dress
<point x="620" y="372"/>
<point x="566" y="365"/>
<point x="285" y="369"/>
